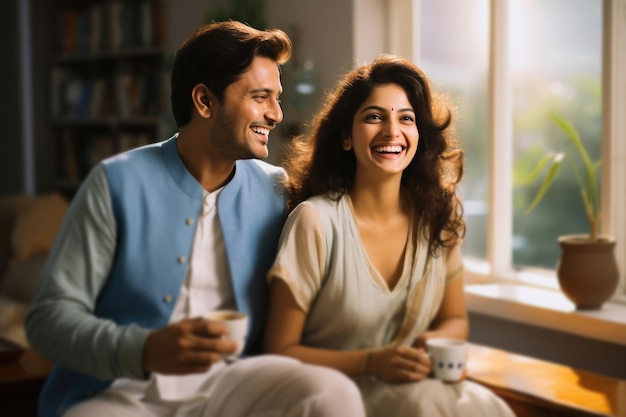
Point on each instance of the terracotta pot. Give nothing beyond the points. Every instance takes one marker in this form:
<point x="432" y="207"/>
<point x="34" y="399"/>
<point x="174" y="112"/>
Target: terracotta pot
<point x="587" y="271"/>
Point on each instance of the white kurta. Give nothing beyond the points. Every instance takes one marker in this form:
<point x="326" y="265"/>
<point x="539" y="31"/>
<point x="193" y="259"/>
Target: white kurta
<point x="350" y="306"/>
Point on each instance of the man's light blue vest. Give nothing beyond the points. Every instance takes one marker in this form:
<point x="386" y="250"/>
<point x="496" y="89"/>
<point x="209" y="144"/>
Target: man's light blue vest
<point x="156" y="203"/>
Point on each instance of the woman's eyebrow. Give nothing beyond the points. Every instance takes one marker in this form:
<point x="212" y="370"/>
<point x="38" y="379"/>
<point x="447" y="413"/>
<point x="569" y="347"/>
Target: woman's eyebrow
<point x="382" y="109"/>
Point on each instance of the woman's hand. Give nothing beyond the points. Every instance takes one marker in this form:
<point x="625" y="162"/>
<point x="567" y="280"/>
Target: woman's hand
<point x="399" y="364"/>
<point x="420" y="342"/>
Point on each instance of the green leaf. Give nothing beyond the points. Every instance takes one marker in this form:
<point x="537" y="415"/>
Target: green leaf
<point x="590" y="186"/>
<point x="552" y="170"/>
<point x="539" y="168"/>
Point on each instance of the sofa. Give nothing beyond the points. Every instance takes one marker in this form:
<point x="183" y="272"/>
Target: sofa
<point x="28" y="227"/>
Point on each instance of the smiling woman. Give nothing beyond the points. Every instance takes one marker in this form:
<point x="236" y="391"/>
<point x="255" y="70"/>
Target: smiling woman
<point x="369" y="265"/>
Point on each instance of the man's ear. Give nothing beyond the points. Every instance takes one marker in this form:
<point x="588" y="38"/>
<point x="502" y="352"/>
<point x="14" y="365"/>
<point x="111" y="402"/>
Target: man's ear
<point x="203" y="100"/>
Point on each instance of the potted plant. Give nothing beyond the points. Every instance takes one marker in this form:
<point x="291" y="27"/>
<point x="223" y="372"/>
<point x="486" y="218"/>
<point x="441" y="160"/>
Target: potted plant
<point x="587" y="270"/>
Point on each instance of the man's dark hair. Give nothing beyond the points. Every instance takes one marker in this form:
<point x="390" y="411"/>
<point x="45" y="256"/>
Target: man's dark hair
<point x="216" y="55"/>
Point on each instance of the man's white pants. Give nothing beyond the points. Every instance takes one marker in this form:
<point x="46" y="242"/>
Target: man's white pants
<point x="263" y="386"/>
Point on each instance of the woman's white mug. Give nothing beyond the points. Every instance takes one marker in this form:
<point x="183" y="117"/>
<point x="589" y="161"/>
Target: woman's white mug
<point x="449" y="357"/>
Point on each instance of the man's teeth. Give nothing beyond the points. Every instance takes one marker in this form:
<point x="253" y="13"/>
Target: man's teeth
<point x="261" y="130"/>
<point x="388" y="149"/>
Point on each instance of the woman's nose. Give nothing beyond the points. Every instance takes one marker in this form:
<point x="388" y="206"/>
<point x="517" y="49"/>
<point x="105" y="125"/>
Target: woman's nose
<point x="391" y="128"/>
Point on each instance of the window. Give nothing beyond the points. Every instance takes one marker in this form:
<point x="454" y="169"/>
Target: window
<point x="509" y="64"/>
<point x="459" y="66"/>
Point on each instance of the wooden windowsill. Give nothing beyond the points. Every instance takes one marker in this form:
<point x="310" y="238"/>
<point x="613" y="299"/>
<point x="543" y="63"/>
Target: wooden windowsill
<point x="533" y="387"/>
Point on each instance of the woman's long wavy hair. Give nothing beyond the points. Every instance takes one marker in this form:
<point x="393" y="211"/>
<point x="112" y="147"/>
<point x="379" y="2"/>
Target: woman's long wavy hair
<point x="317" y="164"/>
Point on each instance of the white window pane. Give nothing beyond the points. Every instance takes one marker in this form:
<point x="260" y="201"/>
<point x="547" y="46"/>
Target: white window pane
<point x="555" y="57"/>
<point x="454" y="50"/>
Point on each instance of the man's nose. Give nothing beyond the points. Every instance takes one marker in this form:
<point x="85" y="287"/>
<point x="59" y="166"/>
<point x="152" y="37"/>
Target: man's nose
<point x="275" y="112"/>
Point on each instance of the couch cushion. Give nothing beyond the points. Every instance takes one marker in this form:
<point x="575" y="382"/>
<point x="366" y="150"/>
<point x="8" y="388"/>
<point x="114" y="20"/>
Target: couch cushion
<point x="36" y="227"/>
<point x="20" y="280"/>
<point x="10" y="206"/>
<point x="12" y="316"/>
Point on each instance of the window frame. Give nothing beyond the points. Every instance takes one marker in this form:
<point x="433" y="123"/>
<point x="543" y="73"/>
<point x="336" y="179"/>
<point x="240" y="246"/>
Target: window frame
<point x="404" y="40"/>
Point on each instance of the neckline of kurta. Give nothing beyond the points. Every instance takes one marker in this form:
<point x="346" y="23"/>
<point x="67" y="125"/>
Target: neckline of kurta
<point x="209" y="199"/>
<point x="375" y="275"/>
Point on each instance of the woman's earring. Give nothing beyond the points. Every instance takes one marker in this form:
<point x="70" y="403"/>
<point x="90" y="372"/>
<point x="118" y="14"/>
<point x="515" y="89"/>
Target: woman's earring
<point x="346" y="144"/>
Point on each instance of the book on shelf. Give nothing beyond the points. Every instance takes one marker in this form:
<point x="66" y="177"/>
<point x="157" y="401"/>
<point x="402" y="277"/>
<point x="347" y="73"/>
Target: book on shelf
<point x="95" y="37"/>
<point x="148" y="24"/>
<point x="125" y="93"/>
<point x="130" y="93"/>
<point x="107" y="104"/>
<point x="58" y="85"/>
<point x="138" y="91"/>
<point x="106" y="81"/>
<point x="83" y="106"/>
<point x="100" y="146"/>
<point x="66" y="20"/>
<point x="83" y="150"/>
<point x="84" y="31"/>
<point x="110" y="26"/>
<point x="130" y="141"/>
<point x="67" y="92"/>
<point x="70" y="157"/>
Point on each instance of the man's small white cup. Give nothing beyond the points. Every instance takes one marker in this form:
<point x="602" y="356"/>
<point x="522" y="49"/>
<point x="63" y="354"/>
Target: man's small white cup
<point x="449" y="358"/>
<point x="237" y="323"/>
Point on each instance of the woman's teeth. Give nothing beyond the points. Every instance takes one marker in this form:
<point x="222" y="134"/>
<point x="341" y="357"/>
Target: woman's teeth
<point x="388" y="149"/>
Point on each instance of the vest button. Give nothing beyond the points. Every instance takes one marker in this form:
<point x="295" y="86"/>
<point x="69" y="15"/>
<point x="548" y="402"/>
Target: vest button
<point x="181" y="259"/>
<point x="189" y="221"/>
<point x="167" y="299"/>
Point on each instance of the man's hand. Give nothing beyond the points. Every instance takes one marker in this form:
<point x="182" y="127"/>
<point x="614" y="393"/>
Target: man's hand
<point x="189" y="346"/>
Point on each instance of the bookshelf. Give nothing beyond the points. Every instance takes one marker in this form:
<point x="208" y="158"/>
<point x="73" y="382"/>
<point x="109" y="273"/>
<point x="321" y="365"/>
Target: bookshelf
<point x="107" y="82"/>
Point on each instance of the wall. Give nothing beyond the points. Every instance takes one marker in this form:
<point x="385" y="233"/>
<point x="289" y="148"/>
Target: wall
<point x="579" y="352"/>
<point x="322" y="33"/>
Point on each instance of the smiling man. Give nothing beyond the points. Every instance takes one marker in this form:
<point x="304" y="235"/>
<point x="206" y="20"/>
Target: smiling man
<point x="159" y="236"/>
